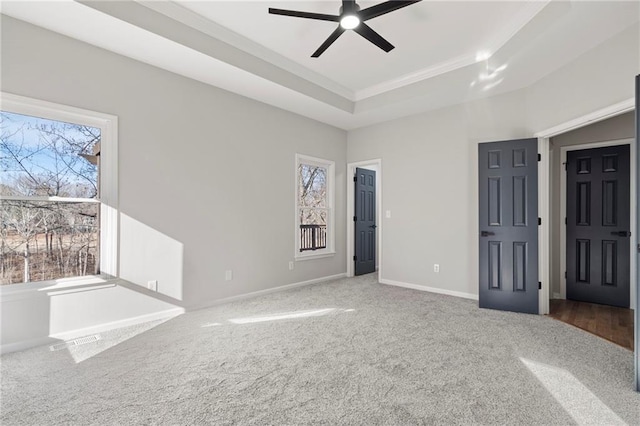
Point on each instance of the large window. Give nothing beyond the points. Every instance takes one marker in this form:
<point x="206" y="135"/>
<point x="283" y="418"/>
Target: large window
<point x="54" y="222"/>
<point x="314" y="207"/>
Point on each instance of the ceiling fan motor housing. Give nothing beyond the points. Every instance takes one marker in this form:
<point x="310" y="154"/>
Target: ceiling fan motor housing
<point x="351" y="9"/>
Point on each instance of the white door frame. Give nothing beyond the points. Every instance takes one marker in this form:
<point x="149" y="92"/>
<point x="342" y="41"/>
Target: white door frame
<point x="544" y="190"/>
<point x="351" y="171"/>
<point x="544" y="234"/>
<point x="563" y="209"/>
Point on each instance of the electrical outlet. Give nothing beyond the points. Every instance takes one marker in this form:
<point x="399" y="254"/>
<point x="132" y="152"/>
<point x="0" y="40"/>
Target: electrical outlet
<point x="228" y="275"/>
<point x="436" y="267"/>
<point x="291" y="266"/>
<point x="152" y="285"/>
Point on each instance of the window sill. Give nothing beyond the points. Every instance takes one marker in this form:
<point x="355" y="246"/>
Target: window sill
<point x="56" y="287"/>
<point x="314" y="256"/>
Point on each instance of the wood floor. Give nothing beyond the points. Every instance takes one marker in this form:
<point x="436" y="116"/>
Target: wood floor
<point x="608" y="322"/>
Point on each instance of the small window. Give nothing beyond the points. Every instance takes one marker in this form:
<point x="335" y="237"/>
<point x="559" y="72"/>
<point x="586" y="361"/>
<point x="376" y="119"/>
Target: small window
<point x="54" y="220"/>
<point x="314" y="207"/>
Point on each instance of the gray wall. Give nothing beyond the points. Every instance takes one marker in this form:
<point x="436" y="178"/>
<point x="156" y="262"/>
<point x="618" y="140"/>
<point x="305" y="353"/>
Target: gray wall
<point x="429" y="169"/>
<point x="616" y="128"/>
<point x="195" y="161"/>
<point x="206" y="176"/>
<point x="429" y="161"/>
<point x="599" y="78"/>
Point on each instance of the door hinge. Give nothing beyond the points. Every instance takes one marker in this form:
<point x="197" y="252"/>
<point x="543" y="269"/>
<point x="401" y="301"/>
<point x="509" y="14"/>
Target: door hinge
<point x="539" y="221"/>
<point x="565" y="274"/>
<point x="355" y="218"/>
<point x="355" y="257"/>
<point x="539" y="157"/>
<point x="539" y="285"/>
<point x="565" y="220"/>
<point x="355" y="178"/>
<point x="565" y="166"/>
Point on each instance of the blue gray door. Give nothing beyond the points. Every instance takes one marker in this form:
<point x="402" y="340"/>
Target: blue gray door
<point x="508" y="201"/>
<point x="365" y="221"/>
<point x="598" y="225"/>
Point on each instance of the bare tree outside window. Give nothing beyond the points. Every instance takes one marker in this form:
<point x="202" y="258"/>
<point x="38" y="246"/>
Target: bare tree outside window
<point x="312" y="206"/>
<point x="49" y="199"/>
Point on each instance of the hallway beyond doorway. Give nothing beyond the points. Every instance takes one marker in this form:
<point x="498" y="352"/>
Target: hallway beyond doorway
<point x="609" y="322"/>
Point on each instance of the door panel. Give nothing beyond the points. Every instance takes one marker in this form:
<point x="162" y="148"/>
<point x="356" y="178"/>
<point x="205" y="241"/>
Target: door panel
<point x="508" y="176"/>
<point x="365" y="221"/>
<point x="597" y="224"/>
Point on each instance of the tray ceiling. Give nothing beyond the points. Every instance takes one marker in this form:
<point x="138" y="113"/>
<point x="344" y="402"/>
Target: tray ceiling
<point x="446" y="52"/>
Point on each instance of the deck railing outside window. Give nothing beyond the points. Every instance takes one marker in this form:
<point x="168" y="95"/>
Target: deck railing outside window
<point x="313" y="237"/>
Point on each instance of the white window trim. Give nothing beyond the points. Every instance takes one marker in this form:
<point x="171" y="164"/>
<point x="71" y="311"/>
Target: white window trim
<point x="108" y="125"/>
<point x="331" y="229"/>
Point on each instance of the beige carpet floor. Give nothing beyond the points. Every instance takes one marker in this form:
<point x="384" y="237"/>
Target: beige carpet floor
<point x="350" y="352"/>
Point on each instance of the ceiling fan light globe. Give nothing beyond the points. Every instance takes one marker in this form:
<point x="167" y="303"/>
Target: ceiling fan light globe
<point x="349" y="22"/>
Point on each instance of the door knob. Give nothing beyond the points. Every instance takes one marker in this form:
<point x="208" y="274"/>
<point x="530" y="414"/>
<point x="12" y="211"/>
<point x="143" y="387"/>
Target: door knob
<point x="373" y="226"/>
<point x="486" y="233"/>
<point x="621" y="233"/>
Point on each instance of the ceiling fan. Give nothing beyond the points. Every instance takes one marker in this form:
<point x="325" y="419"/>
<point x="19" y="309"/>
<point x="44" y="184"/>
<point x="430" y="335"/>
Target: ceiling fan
<point x="350" y="18"/>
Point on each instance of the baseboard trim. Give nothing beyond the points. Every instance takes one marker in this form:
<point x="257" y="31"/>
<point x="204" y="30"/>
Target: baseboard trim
<point x="101" y="328"/>
<point x="266" y="291"/>
<point x="170" y="313"/>
<point x="429" y="289"/>
<point x="81" y="332"/>
<point x="556" y="296"/>
<point x="25" y="344"/>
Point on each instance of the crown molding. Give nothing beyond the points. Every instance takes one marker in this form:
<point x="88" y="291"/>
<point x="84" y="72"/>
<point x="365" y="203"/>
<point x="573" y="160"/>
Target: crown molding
<point x="76" y="20"/>
<point x="88" y="24"/>
<point x="192" y="19"/>
<point x="187" y="17"/>
<point x="512" y="27"/>
<point x="415" y="77"/>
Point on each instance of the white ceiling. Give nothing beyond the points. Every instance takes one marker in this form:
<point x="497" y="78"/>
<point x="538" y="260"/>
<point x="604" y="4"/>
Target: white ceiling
<point x="425" y="35"/>
<point x="446" y="51"/>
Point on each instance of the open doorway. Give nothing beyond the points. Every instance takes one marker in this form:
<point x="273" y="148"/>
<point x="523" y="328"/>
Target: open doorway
<point x="583" y="265"/>
<point x="375" y="166"/>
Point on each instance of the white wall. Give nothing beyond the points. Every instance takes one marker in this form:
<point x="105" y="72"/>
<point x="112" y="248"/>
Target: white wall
<point x="206" y="177"/>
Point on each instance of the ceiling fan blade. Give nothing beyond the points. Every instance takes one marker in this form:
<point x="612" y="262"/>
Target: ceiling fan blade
<point x="328" y="42"/>
<point x="307" y="15"/>
<point x="382" y="8"/>
<point x="367" y="32"/>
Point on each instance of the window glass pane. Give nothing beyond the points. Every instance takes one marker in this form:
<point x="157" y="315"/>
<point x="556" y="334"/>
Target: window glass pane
<point x="313" y="217"/>
<point x="47" y="240"/>
<point x="312" y="186"/>
<point x="40" y="157"/>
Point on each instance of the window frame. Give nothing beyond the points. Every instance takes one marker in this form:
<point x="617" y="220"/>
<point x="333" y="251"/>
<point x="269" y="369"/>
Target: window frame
<point x="330" y="203"/>
<point x="108" y="176"/>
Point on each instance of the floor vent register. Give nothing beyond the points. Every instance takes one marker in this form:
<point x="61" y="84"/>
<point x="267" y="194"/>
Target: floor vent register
<point x="75" y="342"/>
